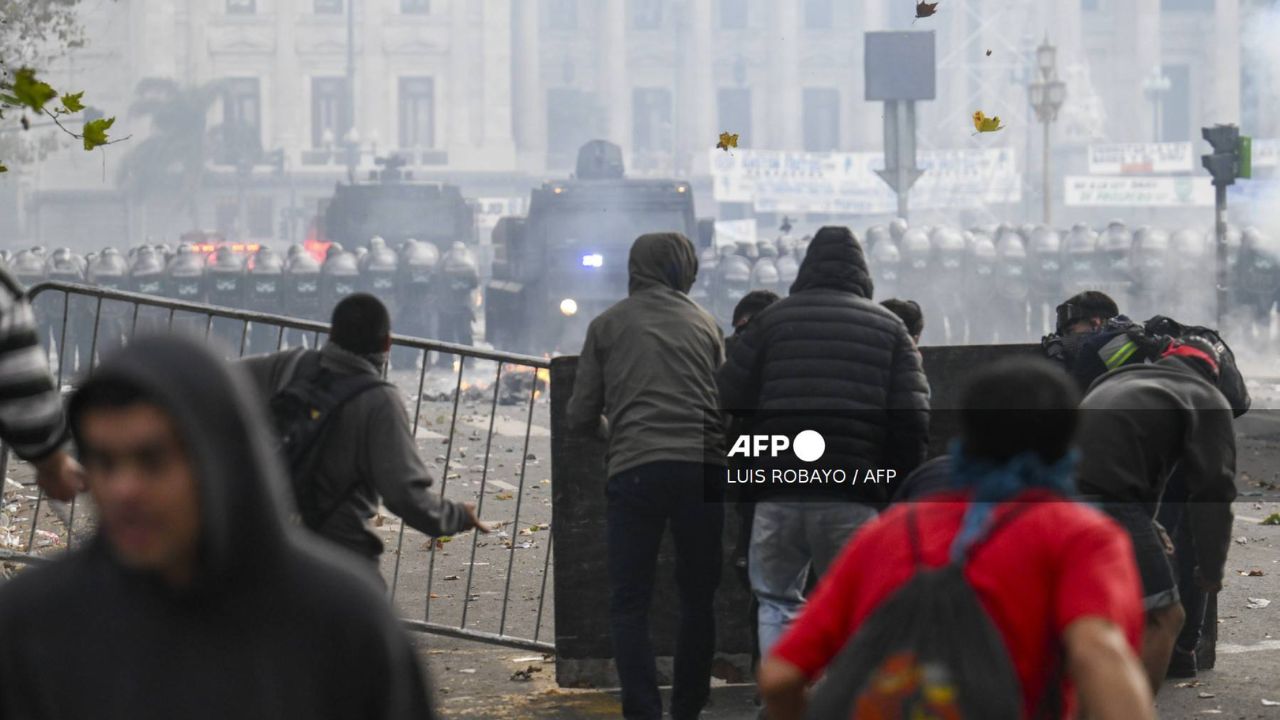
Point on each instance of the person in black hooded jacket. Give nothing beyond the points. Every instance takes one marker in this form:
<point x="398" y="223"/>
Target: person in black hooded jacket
<point x="194" y="599"/>
<point x="829" y="359"/>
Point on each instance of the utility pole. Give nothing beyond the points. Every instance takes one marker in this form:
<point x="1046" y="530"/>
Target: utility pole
<point x="352" y="158"/>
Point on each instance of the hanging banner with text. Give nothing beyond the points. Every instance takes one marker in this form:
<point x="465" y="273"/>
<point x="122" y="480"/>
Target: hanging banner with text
<point x="1086" y="191"/>
<point x="1141" y="158"/>
<point x="847" y="184"/>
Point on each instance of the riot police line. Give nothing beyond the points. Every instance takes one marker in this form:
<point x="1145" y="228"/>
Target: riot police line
<point x="985" y="284"/>
<point x="429" y="292"/>
<point x="1001" y="283"/>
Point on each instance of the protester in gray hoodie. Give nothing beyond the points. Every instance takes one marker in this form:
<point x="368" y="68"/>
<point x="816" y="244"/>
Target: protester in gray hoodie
<point x="368" y="453"/>
<point x="195" y="599"/>
<point x="648" y="364"/>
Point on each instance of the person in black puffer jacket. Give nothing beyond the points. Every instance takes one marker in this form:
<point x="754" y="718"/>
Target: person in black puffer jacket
<point x="829" y="359"/>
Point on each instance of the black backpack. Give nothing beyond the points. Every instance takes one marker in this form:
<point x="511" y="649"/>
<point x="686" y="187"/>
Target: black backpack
<point x="929" y="651"/>
<point x="301" y="412"/>
<point x="1230" y="381"/>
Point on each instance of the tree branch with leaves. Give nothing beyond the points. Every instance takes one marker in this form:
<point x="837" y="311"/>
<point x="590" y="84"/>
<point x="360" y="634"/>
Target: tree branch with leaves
<point x="24" y="94"/>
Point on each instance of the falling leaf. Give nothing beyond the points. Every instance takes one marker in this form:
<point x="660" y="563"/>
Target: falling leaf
<point x="727" y="140"/>
<point x="71" y="102"/>
<point x="95" y="132"/>
<point x="4" y="169"/>
<point x="988" y="53"/>
<point x="502" y="496"/>
<point x="986" y="124"/>
<point x="924" y="9"/>
<point x="1272" y="519"/>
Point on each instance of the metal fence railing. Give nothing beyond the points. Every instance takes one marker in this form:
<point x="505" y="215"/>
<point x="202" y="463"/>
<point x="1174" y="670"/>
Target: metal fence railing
<point x="481" y="420"/>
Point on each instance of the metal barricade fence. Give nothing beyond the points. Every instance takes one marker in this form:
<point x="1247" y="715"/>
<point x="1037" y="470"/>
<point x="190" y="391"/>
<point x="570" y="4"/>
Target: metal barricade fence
<point x="492" y="588"/>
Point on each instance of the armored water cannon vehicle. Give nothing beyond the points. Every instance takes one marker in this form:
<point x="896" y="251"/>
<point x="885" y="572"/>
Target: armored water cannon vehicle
<point x="559" y="267"/>
<point x="393" y="206"/>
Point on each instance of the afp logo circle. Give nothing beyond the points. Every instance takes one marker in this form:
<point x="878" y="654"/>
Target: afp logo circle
<point x="808" y="445"/>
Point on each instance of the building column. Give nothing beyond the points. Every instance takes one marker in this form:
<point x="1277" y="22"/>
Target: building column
<point x="494" y="37"/>
<point x="287" y="115"/>
<point x="1225" y="84"/>
<point x="696" y="107"/>
<point x="528" y="97"/>
<point x="1133" y="20"/>
<point x="613" y="87"/>
<point x="785" y="131"/>
<point x="865" y="128"/>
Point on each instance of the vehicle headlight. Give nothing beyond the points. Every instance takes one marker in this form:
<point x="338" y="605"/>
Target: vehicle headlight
<point x="568" y="307"/>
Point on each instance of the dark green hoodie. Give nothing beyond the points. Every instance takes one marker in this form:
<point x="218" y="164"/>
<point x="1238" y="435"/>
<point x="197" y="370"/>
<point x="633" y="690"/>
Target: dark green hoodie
<point x="649" y="364"/>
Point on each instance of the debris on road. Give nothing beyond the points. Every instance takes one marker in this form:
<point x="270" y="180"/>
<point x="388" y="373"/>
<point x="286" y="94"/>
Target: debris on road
<point x="1257" y="603"/>
<point x="526" y="674"/>
<point x="1205" y="695"/>
<point x="1272" y="519"/>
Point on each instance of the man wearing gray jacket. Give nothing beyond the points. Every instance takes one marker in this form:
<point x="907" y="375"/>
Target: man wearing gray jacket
<point x="648" y="364"/>
<point x="368" y="451"/>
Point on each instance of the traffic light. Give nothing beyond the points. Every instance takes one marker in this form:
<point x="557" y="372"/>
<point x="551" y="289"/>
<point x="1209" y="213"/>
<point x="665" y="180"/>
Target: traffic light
<point x="1227" y="161"/>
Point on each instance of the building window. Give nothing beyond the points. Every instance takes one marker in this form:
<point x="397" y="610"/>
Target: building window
<point x="417" y="113"/>
<point x="1187" y="5"/>
<point x="651" y="120"/>
<point x="733" y="14"/>
<point x="821" y="119"/>
<point x="734" y="110"/>
<point x="562" y="14"/>
<point x="415" y="7"/>
<point x="242" y="7"/>
<point x="242" y="104"/>
<point x="818" y="14"/>
<point x="328" y="7"/>
<point x="646" y="14"/>
<point x="328" y="111"/>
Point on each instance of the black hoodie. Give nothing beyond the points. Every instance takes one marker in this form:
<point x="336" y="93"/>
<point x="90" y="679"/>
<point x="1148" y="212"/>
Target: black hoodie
<point x="828" y="347"/>
<point x="1141" y="422"/>
<point x="273" y="626"/>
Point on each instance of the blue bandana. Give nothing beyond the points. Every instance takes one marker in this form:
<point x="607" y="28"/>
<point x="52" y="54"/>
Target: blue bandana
<point x="993" y="484"/>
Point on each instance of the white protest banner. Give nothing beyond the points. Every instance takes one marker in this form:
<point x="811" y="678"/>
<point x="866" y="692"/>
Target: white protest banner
<point x="1141" y="158"/>
<point x="1086" y="191"/>
<point x="846" y="183"/>
<point x="1266" y="152"/>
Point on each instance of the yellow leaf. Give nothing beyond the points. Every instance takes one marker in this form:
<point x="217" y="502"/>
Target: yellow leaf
<point x="984" y="124"/>
<point x="727" y="141"/>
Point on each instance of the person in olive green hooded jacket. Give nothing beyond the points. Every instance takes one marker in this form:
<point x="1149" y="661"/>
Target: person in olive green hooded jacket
<point x="648" y="365"/>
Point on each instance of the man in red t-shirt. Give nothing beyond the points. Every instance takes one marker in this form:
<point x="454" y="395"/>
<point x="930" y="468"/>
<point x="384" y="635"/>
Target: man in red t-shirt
<point x="1058" y="581"/>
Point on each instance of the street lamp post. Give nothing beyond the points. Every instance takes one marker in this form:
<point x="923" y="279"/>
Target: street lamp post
<point x="1046" y="96"/>
<point x="1154" y="86"/>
